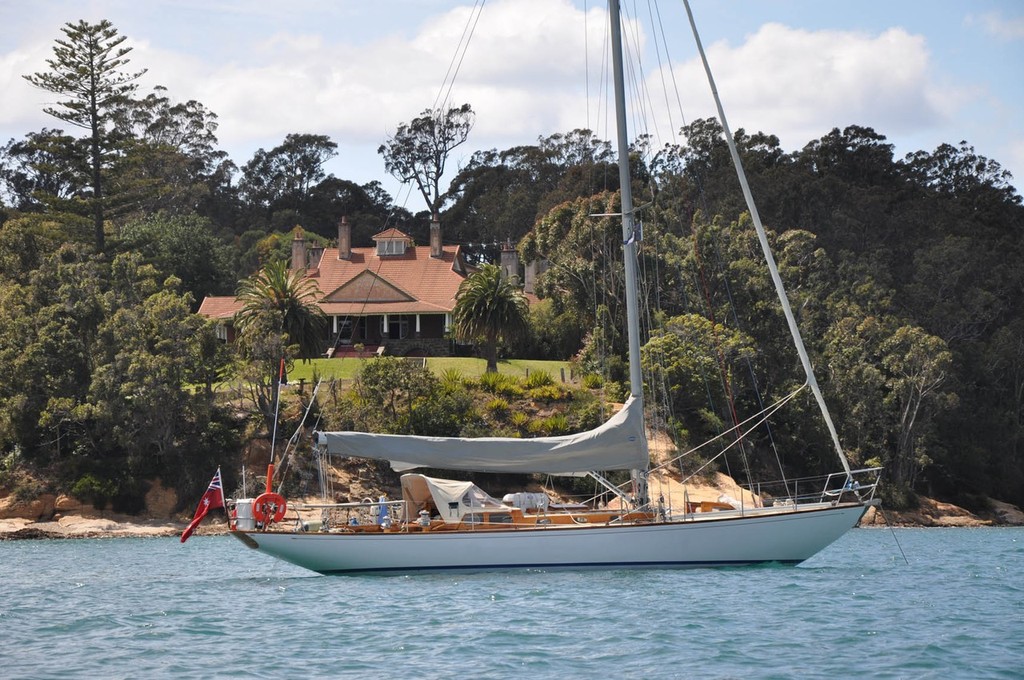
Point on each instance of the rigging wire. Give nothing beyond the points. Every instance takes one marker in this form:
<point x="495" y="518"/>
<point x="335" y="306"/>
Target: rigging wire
<point x="458" y="56"/>
<point x="659" y="24"/>
<point x="293" y="441"/>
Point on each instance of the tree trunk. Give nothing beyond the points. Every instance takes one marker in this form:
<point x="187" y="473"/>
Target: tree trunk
<point x="491" y="353"/>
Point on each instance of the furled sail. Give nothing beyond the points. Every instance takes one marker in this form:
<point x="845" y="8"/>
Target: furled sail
<point x="618" y="444"/>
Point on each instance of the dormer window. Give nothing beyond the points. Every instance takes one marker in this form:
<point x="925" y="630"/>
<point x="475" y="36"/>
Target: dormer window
<point x="391" y="246"/>
<point x="391" y="242"/>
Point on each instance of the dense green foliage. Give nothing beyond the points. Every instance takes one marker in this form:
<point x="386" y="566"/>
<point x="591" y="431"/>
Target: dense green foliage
<point x="106" y="365"/>
<point x="907" y="277"/>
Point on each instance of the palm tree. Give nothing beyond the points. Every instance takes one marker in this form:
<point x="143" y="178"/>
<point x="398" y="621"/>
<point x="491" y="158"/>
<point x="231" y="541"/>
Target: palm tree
<point x="288" y="293"/>
<point x="489" y="308"/>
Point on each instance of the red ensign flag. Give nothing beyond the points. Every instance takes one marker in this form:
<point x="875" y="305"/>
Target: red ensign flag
<point x="213" y="498"/>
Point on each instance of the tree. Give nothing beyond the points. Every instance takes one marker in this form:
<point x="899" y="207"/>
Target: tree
<point x="46" y="169"/>
<point x="491" y="308"/>
<point x="584" y="255"/>
<point x="959" y="171"/>
<point x="698" y="361"/>
<point x="169" y="161"/>
<point x="186" y="247"/>
<point x="86" y="68"/>
<point x="277" y="184"/>
<point x="918" y="366"/>
<point x="289" y="294"/>
<point x="419" y="150"/>
<point x="279" y="320"/>
<point x="501" y="194"/>
<point x="101" y="358"/>
<point x="149" y="352"/>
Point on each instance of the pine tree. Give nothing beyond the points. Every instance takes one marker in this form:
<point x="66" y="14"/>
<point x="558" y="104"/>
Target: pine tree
<point x="86" y="69"/>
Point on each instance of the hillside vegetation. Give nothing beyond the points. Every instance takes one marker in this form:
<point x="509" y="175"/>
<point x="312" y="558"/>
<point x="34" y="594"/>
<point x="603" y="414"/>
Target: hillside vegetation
<point x="906" y="274"/>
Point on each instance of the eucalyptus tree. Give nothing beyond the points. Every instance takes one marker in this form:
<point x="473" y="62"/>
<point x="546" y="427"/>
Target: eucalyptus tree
<point x="584" y="256"/>
<point x="490" y="308"/>
<point x="698" y="363"/>
<point x="500" y="194"/>
<point x="169" y="159"/>
<point x="276" y="186"/>
<point x="86" y="69"/>
<point x="418" y="151"/>
<point x="46" y="169"/>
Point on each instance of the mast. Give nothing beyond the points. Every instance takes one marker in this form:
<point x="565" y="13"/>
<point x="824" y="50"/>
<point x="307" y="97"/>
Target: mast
<point x="762" y="237"/>
<point x="625" y="187"/>
<point x="636" y="388"/>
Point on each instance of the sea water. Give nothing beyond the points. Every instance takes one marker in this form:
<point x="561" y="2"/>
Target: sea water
<point x="212" y="608"/>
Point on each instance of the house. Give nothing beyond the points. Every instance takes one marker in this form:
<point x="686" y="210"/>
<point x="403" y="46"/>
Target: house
<point x="395" y="297"/>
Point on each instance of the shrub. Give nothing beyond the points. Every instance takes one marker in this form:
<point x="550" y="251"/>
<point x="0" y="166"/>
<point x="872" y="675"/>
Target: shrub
<point x="27" y="489"/>
<point x="520" y="420"/>
<point x="593" y="381"/>
<point x="549" y="393"/>
<point x="498" y="407"/>
<point x="538" y="379"/>
<point x="452" y="378"/>
<point x="92" y="490"/>
<point x="589" y="414"/>
<point x="500" y="384"/>
<point x="537" y="427"/>
<point x="616" y="392"/>
<point x="557" y="424"/>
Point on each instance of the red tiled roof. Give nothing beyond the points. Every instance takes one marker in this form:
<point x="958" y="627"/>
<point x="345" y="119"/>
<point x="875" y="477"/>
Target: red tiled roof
<point x="366" y="283"/>
<point x="219" y="306"/>
<point x="390" y="233"/>
<point x="413" y="281"/>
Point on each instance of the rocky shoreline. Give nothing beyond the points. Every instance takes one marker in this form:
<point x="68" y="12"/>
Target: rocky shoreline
<point x="62" y="517"/>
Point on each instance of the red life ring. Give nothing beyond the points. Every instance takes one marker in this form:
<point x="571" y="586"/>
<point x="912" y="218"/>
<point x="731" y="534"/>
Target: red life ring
<point x="269" y="507"/>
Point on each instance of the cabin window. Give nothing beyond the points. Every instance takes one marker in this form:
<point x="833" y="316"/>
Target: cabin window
<point x="472" y="518"/>
<point x="499" y="518"/>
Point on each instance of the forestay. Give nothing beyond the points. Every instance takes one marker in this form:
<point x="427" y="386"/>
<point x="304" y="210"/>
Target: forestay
<point x="618" y="444"/>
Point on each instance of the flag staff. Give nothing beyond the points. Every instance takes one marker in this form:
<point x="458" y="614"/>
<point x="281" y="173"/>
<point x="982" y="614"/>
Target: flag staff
<point x="273" y="435"/>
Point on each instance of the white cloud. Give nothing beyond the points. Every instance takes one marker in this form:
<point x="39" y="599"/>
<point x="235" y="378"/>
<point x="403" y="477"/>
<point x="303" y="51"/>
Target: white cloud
<point x="21" y="101"/>
<point x="799" y="84"/>
<point x="330" y="68"/>
<point x="999" y="26"/>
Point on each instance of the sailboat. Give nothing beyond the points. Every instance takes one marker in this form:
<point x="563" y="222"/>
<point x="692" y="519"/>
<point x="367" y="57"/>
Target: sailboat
<point x="444" y="525"/>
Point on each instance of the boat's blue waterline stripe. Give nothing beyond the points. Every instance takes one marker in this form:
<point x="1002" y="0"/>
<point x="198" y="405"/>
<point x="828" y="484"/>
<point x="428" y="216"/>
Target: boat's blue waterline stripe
<point x="560" y="565"/>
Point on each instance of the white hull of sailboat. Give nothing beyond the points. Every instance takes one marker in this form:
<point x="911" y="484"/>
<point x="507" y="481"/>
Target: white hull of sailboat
<point x="753" y="538"/>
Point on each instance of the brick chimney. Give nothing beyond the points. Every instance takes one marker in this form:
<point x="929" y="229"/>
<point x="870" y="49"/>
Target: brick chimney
<point x="509" y="262"/>
<point x="299" y="249"/>
<point x="344" y="239"/>
<point x="435" y="237"/>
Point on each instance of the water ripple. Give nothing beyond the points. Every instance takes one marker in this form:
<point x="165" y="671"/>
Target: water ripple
<point x="153" y="608"/>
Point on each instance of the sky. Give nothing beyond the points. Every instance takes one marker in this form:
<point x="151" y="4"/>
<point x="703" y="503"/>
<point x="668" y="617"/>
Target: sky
<point x="920" y="72"/>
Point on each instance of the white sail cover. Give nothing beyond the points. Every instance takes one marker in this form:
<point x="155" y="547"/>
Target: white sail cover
<point x="618" y="444"/>
<point x="446" y="498"/>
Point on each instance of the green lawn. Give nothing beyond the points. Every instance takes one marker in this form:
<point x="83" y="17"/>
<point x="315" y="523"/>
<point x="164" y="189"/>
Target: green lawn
<point x="348" y="368"/>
